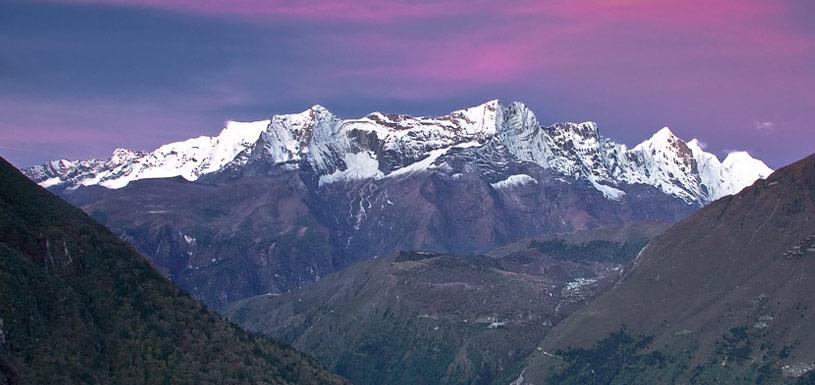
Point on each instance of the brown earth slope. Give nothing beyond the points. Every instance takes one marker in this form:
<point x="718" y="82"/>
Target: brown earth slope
<point x="422" y="318"/>
<point x="727" y="296"/>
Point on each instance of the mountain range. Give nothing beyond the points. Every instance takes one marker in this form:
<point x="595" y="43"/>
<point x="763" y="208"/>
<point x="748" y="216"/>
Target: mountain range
<point x="479" y="247"/>
<point x="273" y="205"/>
<point x="387" y="146"/>
<point x="722" y="297"/>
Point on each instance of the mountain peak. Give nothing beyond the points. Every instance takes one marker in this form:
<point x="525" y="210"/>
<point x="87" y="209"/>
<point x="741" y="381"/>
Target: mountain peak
<point x="668" y="144"/>
<point x="734" y="157"/>
<point x="665" y="132"/>
<point x="303" y="119"/>
<point x="317" y="108"/>
<point x="663" y="135"/>
<point x="122" y="155"/>
<point x="741" y="168"/>
<point x="307" y="116"/>
<point x="63" y="163"/>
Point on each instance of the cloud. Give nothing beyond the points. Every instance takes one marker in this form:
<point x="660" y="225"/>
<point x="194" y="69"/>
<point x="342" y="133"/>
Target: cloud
<point x="764" y="126"/>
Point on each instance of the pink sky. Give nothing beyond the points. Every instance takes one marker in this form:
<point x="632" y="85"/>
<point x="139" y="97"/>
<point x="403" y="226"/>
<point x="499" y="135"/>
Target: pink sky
<point x="716" y="70"/>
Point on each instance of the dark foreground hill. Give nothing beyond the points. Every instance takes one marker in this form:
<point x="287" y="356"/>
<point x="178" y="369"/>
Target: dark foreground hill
<point x="725" y="297"/>
<point x="423" y="318"/>
<point x="80" y="306"/>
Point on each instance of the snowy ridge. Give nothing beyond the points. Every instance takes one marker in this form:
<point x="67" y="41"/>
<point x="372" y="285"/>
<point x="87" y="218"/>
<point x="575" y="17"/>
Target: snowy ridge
<point x="189" y="159"/>
<point x="384" y="146"/>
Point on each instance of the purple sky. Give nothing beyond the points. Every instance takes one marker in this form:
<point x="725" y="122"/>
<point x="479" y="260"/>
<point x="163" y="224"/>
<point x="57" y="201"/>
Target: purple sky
<point x="80" y="78"/>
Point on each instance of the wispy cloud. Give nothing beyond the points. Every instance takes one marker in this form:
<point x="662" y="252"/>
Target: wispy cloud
<point x="765" y="126"/>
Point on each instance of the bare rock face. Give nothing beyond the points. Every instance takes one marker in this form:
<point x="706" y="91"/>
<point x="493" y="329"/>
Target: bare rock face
<point x="272" y="205"/>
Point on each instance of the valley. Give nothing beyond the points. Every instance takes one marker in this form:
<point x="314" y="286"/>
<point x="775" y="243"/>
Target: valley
<point x="444" y="319"/>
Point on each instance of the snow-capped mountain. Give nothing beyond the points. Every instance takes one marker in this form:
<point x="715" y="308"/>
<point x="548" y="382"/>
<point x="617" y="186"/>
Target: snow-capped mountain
<point x="381" y="146"/>
<point x="282" y="202"/>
